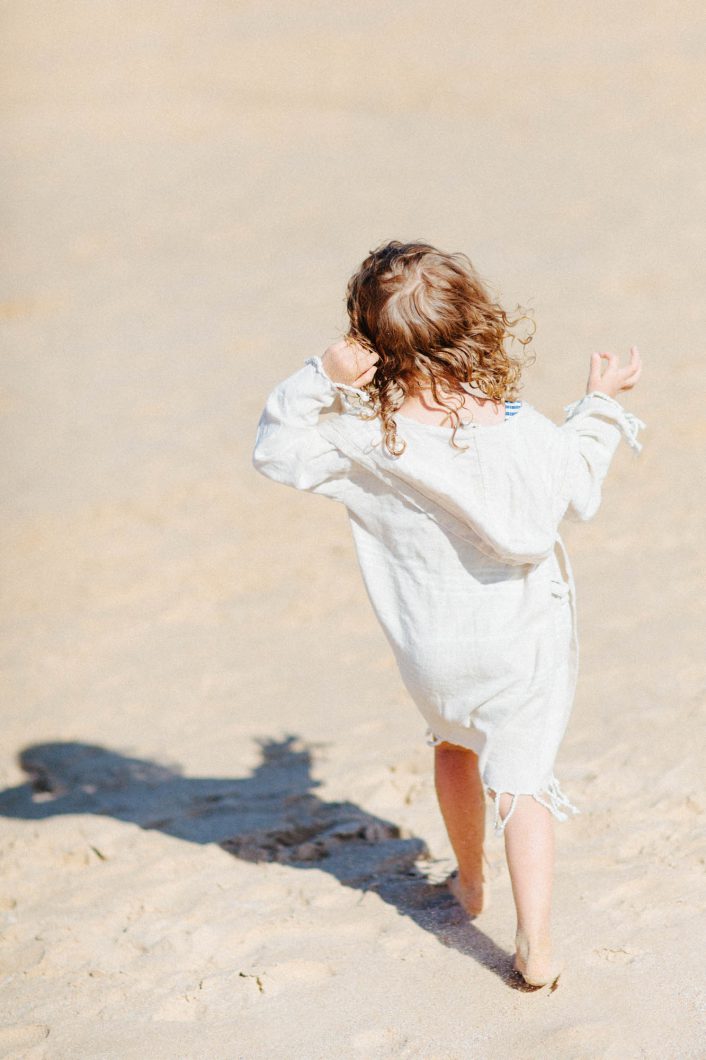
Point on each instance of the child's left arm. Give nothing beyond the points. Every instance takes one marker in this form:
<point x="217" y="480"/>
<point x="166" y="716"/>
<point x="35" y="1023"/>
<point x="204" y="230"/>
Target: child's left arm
<point x="288" y="445"/>
<point x="593" y="427"/>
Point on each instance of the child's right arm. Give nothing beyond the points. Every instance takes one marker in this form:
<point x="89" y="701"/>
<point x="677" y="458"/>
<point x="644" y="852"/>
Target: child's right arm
<point x="593" y="428"/>
<point x="289" y="448"/>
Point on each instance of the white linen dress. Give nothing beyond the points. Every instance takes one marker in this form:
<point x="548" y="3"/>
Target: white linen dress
<point x="461" y="557"/>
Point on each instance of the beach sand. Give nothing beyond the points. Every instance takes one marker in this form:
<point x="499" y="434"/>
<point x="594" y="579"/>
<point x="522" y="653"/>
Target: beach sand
<point x="219" y="833"/>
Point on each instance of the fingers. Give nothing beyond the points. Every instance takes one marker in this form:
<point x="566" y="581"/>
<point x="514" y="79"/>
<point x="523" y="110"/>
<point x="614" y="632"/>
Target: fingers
<point x="366" y="376"/>
<point x="347" y="361"/>
<point x="597" y="358"/>
<point x="634" y="365"/>
<point x="594" y="375"/>
<point x="358" y="347"/>
<point x="365" y="369"/>
<point x="633" y="371"/>
<point x="362" y="356"/>
<point x="606" y="373"/>
<point x="369" y="357"/>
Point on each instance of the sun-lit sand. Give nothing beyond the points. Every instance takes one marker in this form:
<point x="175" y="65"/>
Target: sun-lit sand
<point x="219" y="833"/>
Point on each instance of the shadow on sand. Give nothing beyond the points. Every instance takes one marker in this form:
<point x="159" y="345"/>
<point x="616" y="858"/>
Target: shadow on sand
<point x="272" y="815"/>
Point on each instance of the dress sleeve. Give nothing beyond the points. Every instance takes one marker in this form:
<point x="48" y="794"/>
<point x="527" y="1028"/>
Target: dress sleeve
<point x="289" y="447"/>
<point x="593" y="427"/>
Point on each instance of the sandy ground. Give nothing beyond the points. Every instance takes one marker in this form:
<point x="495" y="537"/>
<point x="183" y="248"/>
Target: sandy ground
<point x="231" y="846"/>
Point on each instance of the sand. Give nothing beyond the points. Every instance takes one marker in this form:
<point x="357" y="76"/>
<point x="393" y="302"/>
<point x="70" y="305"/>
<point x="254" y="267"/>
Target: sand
<point x="219" y="833"/>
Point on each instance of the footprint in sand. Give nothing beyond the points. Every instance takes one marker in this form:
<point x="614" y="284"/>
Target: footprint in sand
<point x="379" y="1041"/>
<point x="24" y="958"/>
<point x="18" y="1040"/>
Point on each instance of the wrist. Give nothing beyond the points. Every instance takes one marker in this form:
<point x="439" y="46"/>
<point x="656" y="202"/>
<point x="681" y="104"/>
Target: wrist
<point x="319" y="365"/>
<point x="602" y="392"/>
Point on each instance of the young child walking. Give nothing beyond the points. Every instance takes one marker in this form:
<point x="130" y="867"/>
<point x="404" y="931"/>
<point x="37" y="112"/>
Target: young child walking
<point x="455" y="490"/>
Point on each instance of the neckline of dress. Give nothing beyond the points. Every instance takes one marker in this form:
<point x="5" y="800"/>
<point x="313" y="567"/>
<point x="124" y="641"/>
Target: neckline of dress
<point x="462" y="426"/>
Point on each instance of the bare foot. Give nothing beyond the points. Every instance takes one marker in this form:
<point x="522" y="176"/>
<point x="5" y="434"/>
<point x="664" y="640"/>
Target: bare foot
<point x="538" y="965"/>
<point x="474" y="897"/>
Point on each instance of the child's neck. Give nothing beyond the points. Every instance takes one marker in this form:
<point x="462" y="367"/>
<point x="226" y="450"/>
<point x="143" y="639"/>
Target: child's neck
<point x="477" y="408"/>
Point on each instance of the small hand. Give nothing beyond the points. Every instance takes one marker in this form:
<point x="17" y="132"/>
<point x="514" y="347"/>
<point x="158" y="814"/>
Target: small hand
<point x="614" y="378"/>
<point x="346" y="361"/>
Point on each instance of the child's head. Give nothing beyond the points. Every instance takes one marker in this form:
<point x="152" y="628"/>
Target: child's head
<point x="435" y="327"/>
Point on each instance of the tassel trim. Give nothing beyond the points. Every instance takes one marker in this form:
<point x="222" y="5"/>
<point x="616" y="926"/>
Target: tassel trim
<point x="628" y="422"/>
<point x="557" y="803"/>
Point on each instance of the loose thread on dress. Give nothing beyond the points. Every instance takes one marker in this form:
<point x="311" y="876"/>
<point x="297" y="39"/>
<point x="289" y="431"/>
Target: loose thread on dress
<point x="432" y="739"/>
<point x="557" y="799"/>
<point x="500" y="823"/>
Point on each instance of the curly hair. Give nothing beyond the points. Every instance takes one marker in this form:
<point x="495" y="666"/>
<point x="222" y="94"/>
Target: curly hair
<point x="429" y="317"/>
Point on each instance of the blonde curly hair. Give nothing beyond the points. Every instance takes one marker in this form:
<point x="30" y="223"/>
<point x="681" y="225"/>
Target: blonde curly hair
<point x="429" y="317"/>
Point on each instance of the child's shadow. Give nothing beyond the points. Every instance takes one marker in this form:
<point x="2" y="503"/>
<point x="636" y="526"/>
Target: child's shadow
<point x="272" y="815"/>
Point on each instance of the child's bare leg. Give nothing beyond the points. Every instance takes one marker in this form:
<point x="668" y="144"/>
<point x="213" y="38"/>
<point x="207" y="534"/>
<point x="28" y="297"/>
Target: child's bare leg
<point x="529" y="846"/>
<point x="461" y="798"/>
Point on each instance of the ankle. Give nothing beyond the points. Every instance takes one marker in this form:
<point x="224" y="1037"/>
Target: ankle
<point x="535" y="942"/>
<point x="471" y="879"/>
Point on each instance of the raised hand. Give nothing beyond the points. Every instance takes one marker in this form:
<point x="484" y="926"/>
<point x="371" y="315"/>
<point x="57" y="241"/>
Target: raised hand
<point x="348" y="362"/>
<point x="614" y="378"/>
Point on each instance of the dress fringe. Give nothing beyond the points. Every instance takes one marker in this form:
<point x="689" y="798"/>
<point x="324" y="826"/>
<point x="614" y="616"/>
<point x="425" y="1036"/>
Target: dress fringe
<point x="627" y="421"/>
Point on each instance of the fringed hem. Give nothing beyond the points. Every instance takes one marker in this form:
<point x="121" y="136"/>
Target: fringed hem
<point x="554" y="803"/>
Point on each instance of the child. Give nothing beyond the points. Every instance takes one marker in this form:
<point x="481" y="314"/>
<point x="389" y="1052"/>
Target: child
<point x="458" y="544"/>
